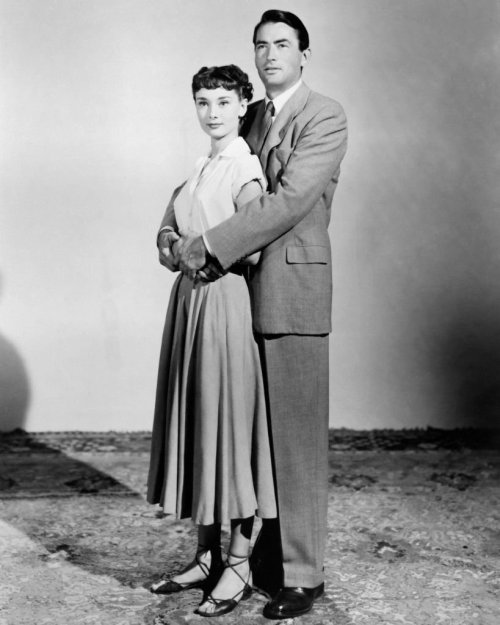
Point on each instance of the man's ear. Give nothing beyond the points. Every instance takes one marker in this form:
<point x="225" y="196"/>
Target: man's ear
<point x="306" y="55"/>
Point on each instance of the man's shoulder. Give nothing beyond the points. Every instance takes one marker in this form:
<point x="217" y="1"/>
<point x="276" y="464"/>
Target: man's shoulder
<point x="317" y="102"/>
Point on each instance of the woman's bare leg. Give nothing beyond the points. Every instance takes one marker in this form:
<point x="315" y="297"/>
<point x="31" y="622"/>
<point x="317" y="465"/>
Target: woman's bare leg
<point x="207" y="551"/>
<point x="230" y="584"/>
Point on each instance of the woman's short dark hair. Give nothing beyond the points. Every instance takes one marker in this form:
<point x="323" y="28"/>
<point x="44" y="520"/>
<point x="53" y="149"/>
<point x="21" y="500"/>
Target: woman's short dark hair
<point x="226" y="76"/>
<point x="274" y="15"/>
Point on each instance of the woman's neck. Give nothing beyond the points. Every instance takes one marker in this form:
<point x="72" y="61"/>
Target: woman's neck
<point x="218" y="145"/>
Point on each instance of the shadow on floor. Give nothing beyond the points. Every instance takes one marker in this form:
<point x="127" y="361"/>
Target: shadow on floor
<point x="36" y="469"/>
<point x="79" y="505"/>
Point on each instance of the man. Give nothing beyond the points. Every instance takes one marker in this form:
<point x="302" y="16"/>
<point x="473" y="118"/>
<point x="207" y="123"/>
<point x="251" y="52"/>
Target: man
<point x="300" y="139"/>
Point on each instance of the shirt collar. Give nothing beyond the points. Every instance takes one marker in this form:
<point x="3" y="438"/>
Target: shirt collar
<point x="280" y="100"/>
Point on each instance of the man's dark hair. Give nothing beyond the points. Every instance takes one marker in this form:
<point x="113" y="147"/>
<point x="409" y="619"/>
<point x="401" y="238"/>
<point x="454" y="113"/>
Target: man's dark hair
<point x="226" y="76"/>
<point x="274" y="15"/>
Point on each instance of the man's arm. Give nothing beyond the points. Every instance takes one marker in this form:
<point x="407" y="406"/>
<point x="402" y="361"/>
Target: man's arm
<point x="248" y="193"/>
<point x="313" y="164"/>
<point x="193" y="255"/>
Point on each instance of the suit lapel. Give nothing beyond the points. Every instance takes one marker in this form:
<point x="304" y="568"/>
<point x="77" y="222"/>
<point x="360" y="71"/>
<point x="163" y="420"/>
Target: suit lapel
<point x="283" y="120"/>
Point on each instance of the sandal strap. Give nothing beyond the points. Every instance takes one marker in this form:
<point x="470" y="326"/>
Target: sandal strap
<point x="241" y="560"/>
<point x="217" y="602"/>
<point x="205" y="569"/>
<point x="244" y="592"/>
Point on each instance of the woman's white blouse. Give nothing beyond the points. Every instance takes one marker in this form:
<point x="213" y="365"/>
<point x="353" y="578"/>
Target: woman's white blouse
<point x="209" y="195"/>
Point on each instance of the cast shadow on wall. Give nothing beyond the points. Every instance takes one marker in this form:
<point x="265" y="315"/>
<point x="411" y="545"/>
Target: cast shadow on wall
<point x="14" y="388"/>
<point x="14" y="385"/>
<point x="468" y="363"/>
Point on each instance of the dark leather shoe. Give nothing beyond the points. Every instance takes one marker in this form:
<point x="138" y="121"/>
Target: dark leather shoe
<point x="293" y="601"/>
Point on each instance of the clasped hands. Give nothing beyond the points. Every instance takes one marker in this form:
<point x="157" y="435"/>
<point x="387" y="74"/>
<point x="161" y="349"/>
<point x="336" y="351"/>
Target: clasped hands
<point x="187" y="252"/>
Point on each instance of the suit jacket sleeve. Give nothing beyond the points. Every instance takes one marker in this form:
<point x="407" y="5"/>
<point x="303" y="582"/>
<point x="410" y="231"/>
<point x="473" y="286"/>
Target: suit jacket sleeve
<point x="313" y="163"/>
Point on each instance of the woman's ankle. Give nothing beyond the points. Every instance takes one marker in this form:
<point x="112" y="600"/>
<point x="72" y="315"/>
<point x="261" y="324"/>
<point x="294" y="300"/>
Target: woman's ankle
<point x="197" y="569"/>
<point x="233" y="559"/>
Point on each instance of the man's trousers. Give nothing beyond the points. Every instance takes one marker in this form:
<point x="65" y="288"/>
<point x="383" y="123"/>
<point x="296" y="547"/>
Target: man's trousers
<point x="297" y="381"/>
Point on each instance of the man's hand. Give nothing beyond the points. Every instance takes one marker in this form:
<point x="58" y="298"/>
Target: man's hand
<point x="211" y="271"/>
<point x="167" y="256"/>
<point x="192" y="254"/>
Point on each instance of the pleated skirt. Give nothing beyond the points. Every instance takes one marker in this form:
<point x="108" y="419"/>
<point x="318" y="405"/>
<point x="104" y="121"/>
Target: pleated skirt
<point x="210" y="451"/>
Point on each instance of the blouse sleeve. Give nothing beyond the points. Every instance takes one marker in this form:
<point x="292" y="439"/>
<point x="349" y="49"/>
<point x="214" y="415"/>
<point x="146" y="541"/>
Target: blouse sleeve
<point x="247" y="168"/>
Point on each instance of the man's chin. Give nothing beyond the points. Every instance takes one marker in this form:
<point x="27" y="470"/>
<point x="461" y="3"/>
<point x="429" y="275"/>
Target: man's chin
<point x="272" y="81"/>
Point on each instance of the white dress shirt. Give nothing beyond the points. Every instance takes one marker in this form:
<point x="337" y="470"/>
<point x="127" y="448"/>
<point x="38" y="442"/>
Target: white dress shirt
<point x="280" y="100"/>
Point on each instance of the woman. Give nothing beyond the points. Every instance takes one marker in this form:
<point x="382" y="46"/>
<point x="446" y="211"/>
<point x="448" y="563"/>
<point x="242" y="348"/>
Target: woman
<point x="210" y="457"/>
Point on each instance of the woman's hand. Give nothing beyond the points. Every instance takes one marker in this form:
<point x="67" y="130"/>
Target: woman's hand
<point x="166" y="249"/>
<point x="194" y="260"/>
<point x="191" y="253"/>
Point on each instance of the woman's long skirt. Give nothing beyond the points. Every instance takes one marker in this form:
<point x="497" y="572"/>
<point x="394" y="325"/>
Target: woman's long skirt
<point x="210" y="453"/>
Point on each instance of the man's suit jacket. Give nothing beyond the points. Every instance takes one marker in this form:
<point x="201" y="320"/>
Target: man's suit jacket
<point x="291" y="287"/>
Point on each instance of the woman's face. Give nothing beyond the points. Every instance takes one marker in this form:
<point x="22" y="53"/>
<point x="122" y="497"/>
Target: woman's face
<point x="219" y="111"/>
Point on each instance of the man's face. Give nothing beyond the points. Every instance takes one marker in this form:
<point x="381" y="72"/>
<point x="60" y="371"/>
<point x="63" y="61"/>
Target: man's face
<point x="278" y="58"/>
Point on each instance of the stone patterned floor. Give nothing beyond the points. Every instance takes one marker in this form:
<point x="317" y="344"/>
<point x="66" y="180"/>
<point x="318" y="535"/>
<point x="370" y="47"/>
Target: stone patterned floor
<point x="414" y="537"/>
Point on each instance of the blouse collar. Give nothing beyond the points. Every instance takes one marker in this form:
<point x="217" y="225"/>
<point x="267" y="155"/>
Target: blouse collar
<point x="237" y="147"/>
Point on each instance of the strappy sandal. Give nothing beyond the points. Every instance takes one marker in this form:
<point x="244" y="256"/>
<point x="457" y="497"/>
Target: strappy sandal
<point x="166" y="586"/>
<point x="224" y="606"/>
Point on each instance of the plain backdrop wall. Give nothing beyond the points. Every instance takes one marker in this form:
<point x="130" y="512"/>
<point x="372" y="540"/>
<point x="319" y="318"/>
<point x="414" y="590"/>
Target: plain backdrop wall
<point x="97" y="127"/>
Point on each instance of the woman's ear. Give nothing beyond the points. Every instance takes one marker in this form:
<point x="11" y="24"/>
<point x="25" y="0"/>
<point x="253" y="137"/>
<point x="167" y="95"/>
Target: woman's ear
<point x="243" y="108"/>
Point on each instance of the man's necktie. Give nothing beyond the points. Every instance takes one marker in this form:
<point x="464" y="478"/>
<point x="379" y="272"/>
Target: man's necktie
<point x="267" y="122"/>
